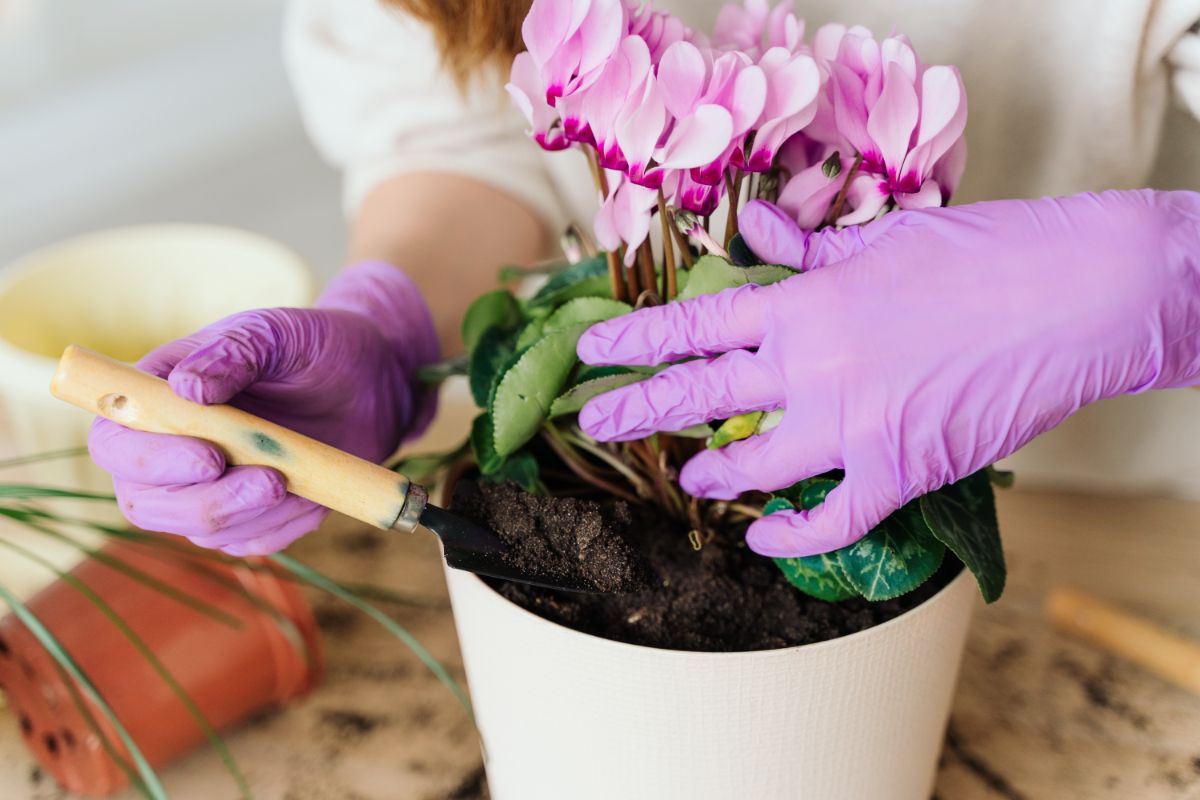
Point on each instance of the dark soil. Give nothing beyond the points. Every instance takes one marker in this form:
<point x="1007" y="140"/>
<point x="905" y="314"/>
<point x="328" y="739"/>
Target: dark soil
<point x="721" y="598"/>
<point x="556" y="536"/>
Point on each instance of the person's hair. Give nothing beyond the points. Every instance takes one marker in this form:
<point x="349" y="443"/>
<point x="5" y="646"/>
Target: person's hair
<point x="472" y="34"/>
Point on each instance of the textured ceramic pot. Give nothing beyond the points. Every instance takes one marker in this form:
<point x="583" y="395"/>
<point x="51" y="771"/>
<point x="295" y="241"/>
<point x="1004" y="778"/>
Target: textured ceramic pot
<point x="262" y="654"/>
<point x="564" y="714"/>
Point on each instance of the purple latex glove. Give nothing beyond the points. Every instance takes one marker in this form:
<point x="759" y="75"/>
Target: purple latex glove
<point x="932" y="344"/>
<point x="341" y="372"/>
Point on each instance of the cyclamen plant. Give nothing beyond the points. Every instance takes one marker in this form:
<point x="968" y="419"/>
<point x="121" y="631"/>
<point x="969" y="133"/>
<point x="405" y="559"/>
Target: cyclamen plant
<point x="677" y="125"/>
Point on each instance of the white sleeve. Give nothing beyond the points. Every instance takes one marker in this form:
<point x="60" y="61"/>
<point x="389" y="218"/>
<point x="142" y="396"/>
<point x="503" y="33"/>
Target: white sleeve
<point x="1184" y="59"/>
<point x="377" y="103"/>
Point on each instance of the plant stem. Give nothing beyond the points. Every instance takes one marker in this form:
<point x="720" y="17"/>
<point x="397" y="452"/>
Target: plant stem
<point x="616" y="281"/>
<point x="668" y="237"/>
<point x="577" y="439"/>
<point x="733" y="187"/>
<point x="645" y="263"/>
<point x="836" y="210"/>
<point x="598" y="176"/>
<point x="747" y="510"/>
<point x="631" y="280"/>
<point x="563" y="450"/>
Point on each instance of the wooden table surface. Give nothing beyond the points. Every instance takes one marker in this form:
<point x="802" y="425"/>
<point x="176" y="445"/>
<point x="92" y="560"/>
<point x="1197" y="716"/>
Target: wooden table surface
<point x="1036" y="716"/>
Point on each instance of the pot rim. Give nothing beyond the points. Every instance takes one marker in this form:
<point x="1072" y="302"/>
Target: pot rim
<point x="964" y="575"/>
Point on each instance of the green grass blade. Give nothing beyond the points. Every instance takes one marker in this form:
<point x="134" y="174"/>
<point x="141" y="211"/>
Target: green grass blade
<point x="153" y="786"/>
<point x="25" y="491"/>
<point x="20" y="461"/>
<point x="135" y="780"/>
<point x="311" y="576"/>
<point x="23" y="516"/>
<point x="214" y="740"/>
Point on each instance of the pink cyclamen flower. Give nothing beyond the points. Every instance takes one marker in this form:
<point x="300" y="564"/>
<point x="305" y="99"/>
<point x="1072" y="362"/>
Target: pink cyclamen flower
<point x="570" y="40"/>
<point x="624" y="217"/>
<point x="754" y="27"/>
<point x="906" y="120"/>
<point x="528" y="94"/>
<point x="793" y="85"/>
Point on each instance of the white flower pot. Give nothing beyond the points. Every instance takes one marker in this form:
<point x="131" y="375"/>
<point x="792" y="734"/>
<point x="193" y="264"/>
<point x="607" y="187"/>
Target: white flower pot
<point x="569" y="716"/>
<point x="123" y="292"/>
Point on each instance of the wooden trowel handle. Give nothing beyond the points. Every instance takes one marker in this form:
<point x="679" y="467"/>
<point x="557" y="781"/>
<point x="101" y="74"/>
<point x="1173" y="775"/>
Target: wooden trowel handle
<point x="314" y="470"/>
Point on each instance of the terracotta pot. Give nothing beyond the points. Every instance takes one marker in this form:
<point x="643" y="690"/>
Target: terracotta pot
<point x="229" y="672"/>
<point x="567" y="714"/>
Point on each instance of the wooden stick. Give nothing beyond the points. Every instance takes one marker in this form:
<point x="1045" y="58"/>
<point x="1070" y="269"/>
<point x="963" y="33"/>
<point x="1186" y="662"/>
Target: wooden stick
<point x="314" y="470"/>
<point x="1168" y="655"/>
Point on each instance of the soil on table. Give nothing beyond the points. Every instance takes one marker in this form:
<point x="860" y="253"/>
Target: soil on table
<point x="662" y="592"/>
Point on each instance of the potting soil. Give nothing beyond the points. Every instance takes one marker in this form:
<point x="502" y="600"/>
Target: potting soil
<point x="661" y="592"/>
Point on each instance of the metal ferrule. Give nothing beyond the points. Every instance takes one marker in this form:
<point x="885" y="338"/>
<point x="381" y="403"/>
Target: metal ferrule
<point x="415" y="498"/>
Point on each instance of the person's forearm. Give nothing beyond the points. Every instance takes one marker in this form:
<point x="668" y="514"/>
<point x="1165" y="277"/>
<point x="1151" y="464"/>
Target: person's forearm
<point x="450" y="234"/>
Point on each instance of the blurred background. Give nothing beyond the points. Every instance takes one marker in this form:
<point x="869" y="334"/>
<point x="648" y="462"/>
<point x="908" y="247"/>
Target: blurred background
<point x="115" y="112"/>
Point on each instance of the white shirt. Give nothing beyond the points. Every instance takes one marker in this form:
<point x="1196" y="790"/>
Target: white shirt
<point x="1065" y="96"/>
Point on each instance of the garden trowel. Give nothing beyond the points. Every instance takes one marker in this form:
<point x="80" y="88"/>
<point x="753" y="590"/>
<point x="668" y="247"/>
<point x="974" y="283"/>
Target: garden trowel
<point x="314" y="470"/>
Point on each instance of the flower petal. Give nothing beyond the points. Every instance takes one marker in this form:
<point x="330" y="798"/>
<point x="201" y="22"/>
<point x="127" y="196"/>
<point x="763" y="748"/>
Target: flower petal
<point x="682" y="73"/>
<point x="928" y="196"/>
<point x="892" y="120"/>
<point x="867" y="196"/>
<point x="600" y="33"/>
<point x="640" y="125"/>
<point x="748" y="98"/>
<point x="808" y="196"/>
<point x="698" y="139"/>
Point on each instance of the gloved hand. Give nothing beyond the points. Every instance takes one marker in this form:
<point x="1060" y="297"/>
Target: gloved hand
<point x="341" y="372"/>
<point x="929" y="344"/>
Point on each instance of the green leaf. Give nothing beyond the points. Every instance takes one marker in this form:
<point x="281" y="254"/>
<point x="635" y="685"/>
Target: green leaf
<point x="152" y="784"/>
<point x="572" y="400"/>
<point x="424" y="467"/>
<point x="585" y="309"/>
<point x="482" y="436"/>
<point x="741" y="254"/>
<point x="520" y="468"/>
<point x="963" y="516"/>
<point x="817" y="576"/>
<point x="496" y="309"/>
<point x="814" y="490"/>
<point x="530" y="332"/>
<point x="587" y="278"/>
<point x="525" y="392"/>
<point x="713" y="274"/>
<point x="894" y="558"/>
<point x="1001" y="478"/>
<point x="734" y="429"/>
<point x="493" y="351"/>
